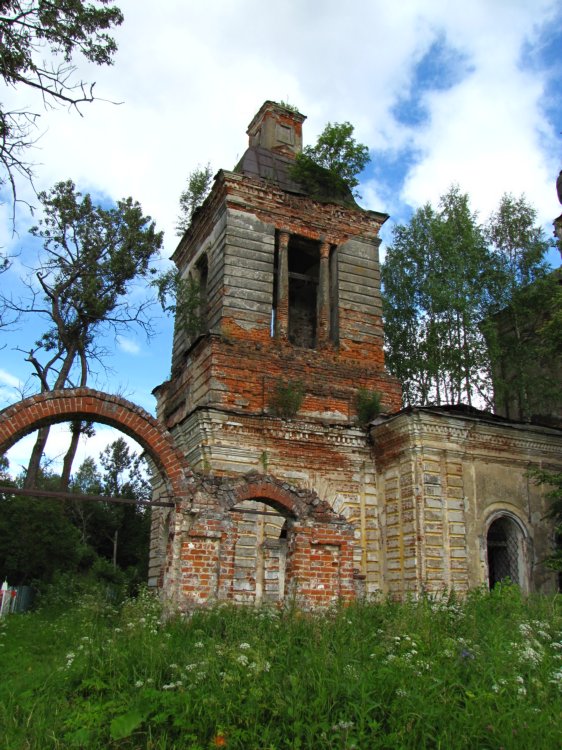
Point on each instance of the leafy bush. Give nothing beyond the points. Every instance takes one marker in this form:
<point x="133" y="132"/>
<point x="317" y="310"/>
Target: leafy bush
<point x="330" y="168"/>
<point x="286" y="398"/>
<point x="367" y="406"/>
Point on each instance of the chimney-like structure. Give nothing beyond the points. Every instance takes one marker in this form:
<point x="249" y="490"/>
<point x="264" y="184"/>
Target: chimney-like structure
<point x="277" y="128"/>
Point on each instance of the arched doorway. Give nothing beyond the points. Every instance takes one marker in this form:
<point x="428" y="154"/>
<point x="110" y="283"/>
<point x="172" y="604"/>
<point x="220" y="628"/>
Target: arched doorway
<point x="259" y="552"/>
<point x="257" y="539"/>
<point x="505" y="547"/>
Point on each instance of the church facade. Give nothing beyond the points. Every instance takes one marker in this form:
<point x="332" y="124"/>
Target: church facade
<point x="296" y="494"/>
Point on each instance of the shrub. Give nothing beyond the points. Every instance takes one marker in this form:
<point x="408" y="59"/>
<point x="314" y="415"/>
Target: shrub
<point x="286" y="398"/>
<point x="367" y="405"/>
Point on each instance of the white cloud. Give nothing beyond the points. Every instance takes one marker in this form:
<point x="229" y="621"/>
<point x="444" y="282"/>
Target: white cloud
<point x="128" y="345"/>
<point x="57" y="445"/>
<point x="8" y="379"/>
<point x="191" y="76"/>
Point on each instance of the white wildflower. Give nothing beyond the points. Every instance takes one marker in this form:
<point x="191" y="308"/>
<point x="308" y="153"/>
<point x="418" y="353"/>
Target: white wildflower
<point x="556" y="678"/>
<point x="342" y="726"/>
<point x="530" y="655"/>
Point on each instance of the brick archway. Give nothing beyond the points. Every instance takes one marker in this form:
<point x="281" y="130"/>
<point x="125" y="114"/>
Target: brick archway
<point x="54" y="407"/>
<point x="287" y="500"/>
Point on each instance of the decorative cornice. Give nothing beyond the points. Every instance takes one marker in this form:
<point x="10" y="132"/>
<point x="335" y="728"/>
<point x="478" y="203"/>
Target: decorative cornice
<point x="475" y="437"/>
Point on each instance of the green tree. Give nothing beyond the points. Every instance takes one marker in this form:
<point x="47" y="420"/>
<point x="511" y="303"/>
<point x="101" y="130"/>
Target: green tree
<point x="525" y="306"/>
<point x="4" y="469"/>
<point x="37" y="538"/>
<point x="198" y="188"/>
<point x="92" y="257"/>
<point x="470" y="311"/>
<point x="435" y="294"/>
<point x="38" y="41"/>
<point x="117" y="532"/>
<point x="181" y="298"/>
<point x="331" y="166"/>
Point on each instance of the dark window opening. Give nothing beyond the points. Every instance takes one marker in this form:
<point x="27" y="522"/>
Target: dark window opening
<point x="202" y="269"/>
<point x="304" y="265"/>
<point x="334" y="285"/>
<point x="275" y="291"/>
<point x="503" y="551"/>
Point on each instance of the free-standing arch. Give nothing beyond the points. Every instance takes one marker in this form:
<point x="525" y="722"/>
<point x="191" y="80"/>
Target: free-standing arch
<point x="54" y="407"/>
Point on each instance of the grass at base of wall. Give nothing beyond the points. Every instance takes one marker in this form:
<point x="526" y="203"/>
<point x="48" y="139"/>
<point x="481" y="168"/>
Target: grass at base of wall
<point x="484" y="672"/>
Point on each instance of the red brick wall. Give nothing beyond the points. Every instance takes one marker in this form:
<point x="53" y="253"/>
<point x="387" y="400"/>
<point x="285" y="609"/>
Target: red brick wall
<point x="84" y="403"/>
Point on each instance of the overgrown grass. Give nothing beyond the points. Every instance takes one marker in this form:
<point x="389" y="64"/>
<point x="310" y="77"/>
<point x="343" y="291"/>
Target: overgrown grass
<point x="437" y="673"/>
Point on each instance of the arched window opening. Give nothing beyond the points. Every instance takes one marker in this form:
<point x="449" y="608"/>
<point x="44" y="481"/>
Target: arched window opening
<point x="504" y="546"/>
<point x="260" y="553"/>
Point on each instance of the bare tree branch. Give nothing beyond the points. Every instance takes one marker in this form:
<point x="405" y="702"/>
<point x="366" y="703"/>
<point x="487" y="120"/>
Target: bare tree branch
<point x="30" y="31"/>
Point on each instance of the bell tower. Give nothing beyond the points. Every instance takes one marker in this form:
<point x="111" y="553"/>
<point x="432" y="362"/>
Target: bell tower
<point x="288" y="289"/>
<point x="288" y="331"/>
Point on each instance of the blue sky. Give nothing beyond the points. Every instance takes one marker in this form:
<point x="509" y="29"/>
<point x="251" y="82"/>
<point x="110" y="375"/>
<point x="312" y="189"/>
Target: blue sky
<point x="442" y="92"/>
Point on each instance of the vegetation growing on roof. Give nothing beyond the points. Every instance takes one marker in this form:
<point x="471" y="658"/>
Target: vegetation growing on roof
<point x="198" y="188"/>
<point x="330" y="168"/>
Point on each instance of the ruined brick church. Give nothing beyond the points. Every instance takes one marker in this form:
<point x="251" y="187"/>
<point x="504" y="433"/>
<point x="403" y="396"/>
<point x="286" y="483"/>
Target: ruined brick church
<point x="290" y="495"/>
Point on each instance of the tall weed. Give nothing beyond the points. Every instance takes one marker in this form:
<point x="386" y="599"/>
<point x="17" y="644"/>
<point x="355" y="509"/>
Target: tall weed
<point x="483" y="672"/>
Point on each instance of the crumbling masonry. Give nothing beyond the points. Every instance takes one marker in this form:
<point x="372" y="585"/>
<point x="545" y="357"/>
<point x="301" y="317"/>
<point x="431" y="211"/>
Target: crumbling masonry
<point x="302" y="501"/>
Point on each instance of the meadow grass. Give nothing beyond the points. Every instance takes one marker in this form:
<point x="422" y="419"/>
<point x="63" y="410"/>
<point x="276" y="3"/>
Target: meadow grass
<point x="484" y="672"/>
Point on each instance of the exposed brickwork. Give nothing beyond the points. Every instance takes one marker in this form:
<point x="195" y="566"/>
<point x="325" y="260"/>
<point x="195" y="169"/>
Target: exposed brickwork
<point x="200" y="536"/>
<point x="205" y="566"/>
<point x="241" y="374"/>
<point x="293" y="294"/>
<point x="84" y="403"/>
<point x="310" y="505"/>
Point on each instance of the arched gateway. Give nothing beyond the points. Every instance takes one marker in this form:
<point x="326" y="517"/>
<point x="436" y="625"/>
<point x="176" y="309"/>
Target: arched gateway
<point x="66" y="405"/>
<point x="194" y="543"/>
